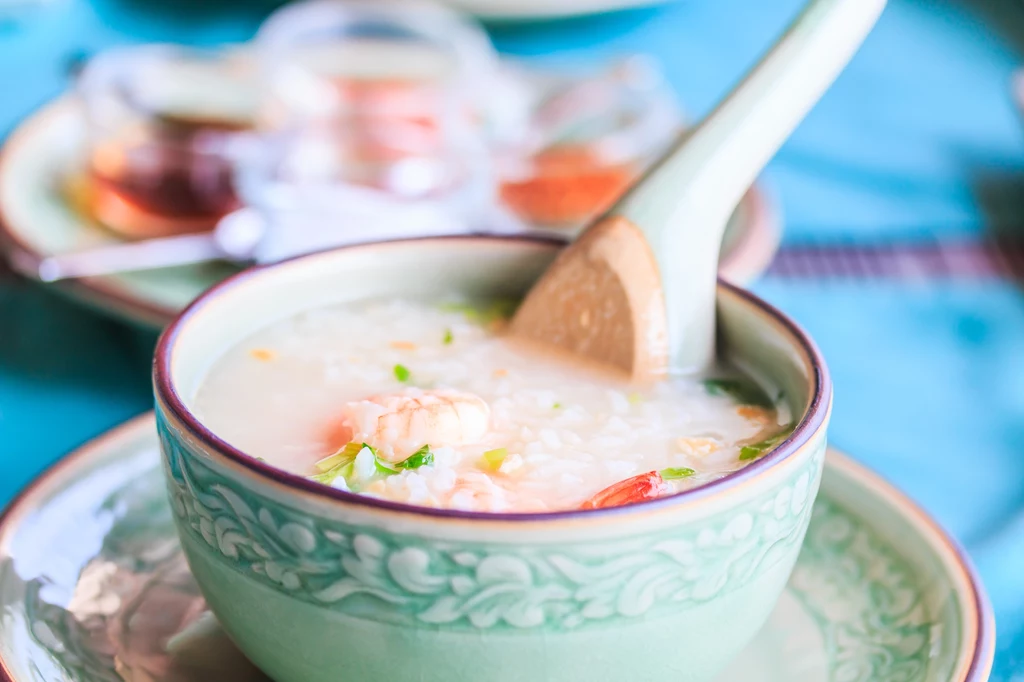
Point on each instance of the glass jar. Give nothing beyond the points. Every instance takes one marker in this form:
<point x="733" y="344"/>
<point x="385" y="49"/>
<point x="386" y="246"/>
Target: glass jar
<point x="160" y="125"/>
<point x="386" y="95"/>
<point x="590" y="138"/>
<point x="377" y="121"/>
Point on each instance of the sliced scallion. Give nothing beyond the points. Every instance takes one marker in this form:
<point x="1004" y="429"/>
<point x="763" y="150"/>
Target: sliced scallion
<point x="402" y="373"/>
<point x="484" y="313"/>
<point x="420" y="458"/>
<point x="755" y="450"/>
<point x="339" y="464"/>
<point x="345" y="454"/>
<point x="494" y="458"/>
<point x="675" y="473"/>
<point x="743" y="392"/>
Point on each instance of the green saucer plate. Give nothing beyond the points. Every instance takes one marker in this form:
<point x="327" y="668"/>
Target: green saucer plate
<point x="94" y="588"/>
<point x="35" y="220"/>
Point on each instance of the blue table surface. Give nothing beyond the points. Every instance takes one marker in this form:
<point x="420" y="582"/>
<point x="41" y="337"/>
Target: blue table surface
<point x="919" y="138"/>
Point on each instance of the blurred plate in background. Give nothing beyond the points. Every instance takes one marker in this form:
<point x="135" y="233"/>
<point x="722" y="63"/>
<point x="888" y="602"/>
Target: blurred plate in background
<point x="36" y="219"/>
<point x="544" y="9"/>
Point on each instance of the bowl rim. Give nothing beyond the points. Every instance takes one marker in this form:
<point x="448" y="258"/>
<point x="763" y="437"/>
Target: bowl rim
<point x="168" y="398"/>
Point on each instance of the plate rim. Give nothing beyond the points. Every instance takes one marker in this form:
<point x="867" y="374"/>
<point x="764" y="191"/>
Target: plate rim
<point x="512" y="12"/>
<point x="979" y="668"/>
<point x="94" y="292"/>
<point x="752" y="250"/>
<point x="978" y="608"/>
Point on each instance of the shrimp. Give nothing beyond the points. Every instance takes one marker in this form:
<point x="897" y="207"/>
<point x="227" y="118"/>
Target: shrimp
<point x="636" y="489"/>
<point x="398" y="424"/>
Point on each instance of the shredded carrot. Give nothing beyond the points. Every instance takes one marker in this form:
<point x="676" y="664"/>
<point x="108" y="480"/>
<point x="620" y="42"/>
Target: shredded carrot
<point x="754" y="413"/>
<point x="263" y="354"/>
<point x="498" y="373"/>
<point x="697" y="447"/>
<point x="403" y="345"/>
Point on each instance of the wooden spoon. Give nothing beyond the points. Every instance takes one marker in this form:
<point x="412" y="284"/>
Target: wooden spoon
<point x="637" y="289"/>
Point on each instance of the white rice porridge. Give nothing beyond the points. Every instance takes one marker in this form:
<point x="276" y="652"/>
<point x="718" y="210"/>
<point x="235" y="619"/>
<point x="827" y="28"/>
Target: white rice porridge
<point x="428" y="404"/>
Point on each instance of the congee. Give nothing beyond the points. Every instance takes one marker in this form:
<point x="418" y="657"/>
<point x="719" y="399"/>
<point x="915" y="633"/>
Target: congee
<point x="428" y="403"/>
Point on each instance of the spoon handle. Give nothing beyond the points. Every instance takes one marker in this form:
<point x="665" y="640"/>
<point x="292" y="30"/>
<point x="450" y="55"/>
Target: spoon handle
<point x="123" y="257"/>
<point x="683" y="203"/>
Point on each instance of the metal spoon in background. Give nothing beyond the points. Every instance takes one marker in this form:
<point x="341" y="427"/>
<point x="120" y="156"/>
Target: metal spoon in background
<point x="234" y="239"/>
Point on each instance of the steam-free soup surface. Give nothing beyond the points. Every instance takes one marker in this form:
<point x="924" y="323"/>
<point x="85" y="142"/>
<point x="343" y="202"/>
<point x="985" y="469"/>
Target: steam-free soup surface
<point x="428" y="403"/>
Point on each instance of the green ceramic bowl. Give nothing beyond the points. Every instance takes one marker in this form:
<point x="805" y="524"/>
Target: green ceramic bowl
<point x="317" y="585"/>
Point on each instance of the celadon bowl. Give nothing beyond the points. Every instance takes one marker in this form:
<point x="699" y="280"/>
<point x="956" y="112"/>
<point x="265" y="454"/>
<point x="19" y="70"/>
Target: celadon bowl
<point x="316" y="584"/>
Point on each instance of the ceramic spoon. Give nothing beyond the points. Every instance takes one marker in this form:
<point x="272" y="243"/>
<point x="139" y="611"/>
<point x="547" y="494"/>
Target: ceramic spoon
<point x="637" y="289"/>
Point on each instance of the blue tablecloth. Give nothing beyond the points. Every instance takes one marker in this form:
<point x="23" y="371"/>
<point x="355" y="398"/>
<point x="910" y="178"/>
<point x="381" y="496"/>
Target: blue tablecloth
<point x="918" y="138"/>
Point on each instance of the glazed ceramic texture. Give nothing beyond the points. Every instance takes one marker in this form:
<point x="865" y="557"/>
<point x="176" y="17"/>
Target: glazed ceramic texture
<point x="94" y="586"/>
<point x="889" y="636"/>
<point x="312" y="582"/>
<point x="380" y="603"/>
<point x="413" y="580"/>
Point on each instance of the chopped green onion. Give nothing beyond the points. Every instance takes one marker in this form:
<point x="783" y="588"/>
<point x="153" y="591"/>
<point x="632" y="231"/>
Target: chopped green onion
<point x="328" y="477"/>
<point x="384" y="467"/>
<point x="755" y="450"/>
<point x="345" y="454"/>
<point x="484" y="312"/>
<point x="635" y="398"/>
<point x="339" y="464"/>
<point x="448" y="337"/>
<point x="494" y="458"/>
<point x="743" y="392"/>
<point x="501" y="309"/>
<point x="455" y="307"/>
<point x="422" y="457"/>
<point x="674" y="473"/>
<point x="556" y="406"/>
<point x="402" y="373"/>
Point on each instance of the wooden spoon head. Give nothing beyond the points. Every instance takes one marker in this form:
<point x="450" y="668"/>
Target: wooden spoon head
<point x="602" y="300"/>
